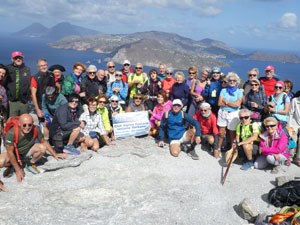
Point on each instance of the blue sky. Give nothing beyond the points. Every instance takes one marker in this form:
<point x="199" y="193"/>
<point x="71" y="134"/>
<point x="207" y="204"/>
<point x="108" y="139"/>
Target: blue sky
<point x="259" y="24"/>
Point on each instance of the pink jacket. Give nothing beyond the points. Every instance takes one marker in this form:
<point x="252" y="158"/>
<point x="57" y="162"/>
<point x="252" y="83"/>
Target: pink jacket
<point x="159" y="112"/>
<point x="279" y="144"/>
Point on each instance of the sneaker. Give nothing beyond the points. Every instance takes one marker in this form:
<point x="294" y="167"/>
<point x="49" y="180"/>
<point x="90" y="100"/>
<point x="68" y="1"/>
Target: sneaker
<point x="70" y="149"/>
<point x="8" y="172"/>
<point x="247" y="165"/>
<point x="193" y="155"/>
<point x="288" y="162"/>
<point x="184" y="147"/>
<point x="32" y="168"/>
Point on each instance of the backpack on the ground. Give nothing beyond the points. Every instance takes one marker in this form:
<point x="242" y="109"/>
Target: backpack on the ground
<point x="14" y="122"/>
<point x="287" y="194"/>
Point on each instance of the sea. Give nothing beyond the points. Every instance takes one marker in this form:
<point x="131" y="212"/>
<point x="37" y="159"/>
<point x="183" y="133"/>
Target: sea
<point x="34" y="49"/>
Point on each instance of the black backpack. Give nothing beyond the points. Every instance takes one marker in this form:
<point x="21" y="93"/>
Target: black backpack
<point x="287" y="194"/>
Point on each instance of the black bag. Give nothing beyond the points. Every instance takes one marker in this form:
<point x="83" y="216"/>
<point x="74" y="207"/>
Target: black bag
<point x="59" y="140"/>
<point x="287" y="194"/>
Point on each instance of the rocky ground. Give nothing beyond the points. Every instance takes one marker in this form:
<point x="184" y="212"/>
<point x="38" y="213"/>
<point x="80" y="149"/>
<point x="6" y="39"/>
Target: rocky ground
<point x="135" y="182"/>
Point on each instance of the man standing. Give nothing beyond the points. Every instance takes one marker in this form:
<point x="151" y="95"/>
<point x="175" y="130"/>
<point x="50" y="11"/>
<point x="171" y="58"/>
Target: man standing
<point x="39" y="83"/>
<point x="18" y="85"/>
<point x="102" y="82"/>
<point x="269" y="81"/>
<point x="90" y="84"/>
<point x="127" y="70"/>
<point x="110" y="73"/>
<point x="173" y="123"/>
<point x="162" y="71"/>
<point x="136" y="81"/>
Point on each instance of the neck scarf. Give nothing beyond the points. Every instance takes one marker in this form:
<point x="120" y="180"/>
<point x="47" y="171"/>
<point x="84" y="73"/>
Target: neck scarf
<point x="207" y="116"/>
<point x="231" y="90"/>
<point x="76" y="79"/>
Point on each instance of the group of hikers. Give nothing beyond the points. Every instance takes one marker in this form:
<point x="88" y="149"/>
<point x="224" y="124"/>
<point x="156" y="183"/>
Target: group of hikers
<point x="73" y="113"/>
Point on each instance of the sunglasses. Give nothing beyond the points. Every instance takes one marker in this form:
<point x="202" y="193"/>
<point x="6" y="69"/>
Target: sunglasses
<point x="232" y="81"/>
<point x="244" y="117"/>
<point x="91" y="72"/>
<point x="278" y="87"/>
<point x="252" y="75"/>
<point x="138" y="68"/>
<point x="270" y="126"/>
<point x="139" y="98"/>
<point x="216" y="72"/>
<point x="126" y="64"/>
<point x="268" y="71"/>
<point x="111" y="67"/>
<point x="114" y="101"/>
<point x="254" y="85"/>
<point x="169" y="73"/>
<point x="103" y="102"/>
<point x="192" y="73"/>
<point x="119" y="75"/>
<point x="27" y="125"/>
<point x="18" y="57"/>
<point x="224" y="82"/>
<point x="203" y="110"/>
<point x="75" y="101"/>
<point x="177" y="105"/>
<point x="93" y="105"/>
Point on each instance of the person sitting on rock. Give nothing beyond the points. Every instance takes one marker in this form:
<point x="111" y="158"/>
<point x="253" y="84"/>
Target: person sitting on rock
<point x="273" y="146"/>
<point x="137" y="104"/>
<point x="25" y="151"/>
<point x="66" y="126"/>
<point x="247" y="138"/>
<point x="208" y="123"/>
<point x="173" y="124"/>
<point x="93" y="129"/>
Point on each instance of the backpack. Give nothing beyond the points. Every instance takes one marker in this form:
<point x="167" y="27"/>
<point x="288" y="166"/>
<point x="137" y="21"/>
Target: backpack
<point x="283" y="99"/>
<point x="241" y="128"/>
<point x="166" y="122"/>
<point x="14" y="122"/>
<point x="287" y="194"/>
<point x="132" y="76"/>
<point x="111" y="84"/>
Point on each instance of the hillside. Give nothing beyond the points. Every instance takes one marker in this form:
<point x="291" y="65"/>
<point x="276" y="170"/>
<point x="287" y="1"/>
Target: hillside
<point x="274" y="57"/>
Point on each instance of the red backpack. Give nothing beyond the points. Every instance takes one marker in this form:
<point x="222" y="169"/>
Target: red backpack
<point x="14" y="122"/>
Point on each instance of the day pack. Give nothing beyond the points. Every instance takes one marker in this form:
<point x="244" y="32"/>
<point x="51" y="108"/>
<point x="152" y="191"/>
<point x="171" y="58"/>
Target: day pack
<point x="14" y="122"/>
<point x="287" y="194"/>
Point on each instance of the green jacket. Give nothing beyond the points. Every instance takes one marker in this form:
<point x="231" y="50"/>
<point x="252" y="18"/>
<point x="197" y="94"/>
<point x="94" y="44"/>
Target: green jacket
<point x="105" y="118"/>
<point x="68" y="85"/>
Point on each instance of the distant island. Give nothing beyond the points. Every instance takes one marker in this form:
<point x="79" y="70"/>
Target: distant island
<point x="150" y="48"/>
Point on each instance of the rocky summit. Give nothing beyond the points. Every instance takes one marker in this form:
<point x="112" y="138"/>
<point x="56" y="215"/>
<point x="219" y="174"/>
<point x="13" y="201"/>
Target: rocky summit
<point x="135" y="182"/>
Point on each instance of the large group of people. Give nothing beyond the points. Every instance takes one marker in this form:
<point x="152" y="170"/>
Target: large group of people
<point x="259" y="117"/>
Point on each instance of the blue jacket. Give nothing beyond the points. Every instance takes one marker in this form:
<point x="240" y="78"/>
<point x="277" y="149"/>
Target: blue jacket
<point x="214" y="85"/>
<point x="176" y="127"/>
<point x="180" y="91"/>
<point x="123" y="92"/>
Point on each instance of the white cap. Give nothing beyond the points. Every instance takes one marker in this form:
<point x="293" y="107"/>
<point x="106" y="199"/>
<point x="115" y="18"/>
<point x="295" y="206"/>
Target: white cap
<point x="126" y="61"/>
<point x="92" y="68"/>
<point x="177" y="102"/>
<point x="114" y="98"/>
<point x="205" y="105"/>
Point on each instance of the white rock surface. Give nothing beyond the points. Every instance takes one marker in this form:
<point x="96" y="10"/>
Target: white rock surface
<point x="136" y="182"/>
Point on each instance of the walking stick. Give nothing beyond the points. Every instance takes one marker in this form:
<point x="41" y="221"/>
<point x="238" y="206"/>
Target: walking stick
<point x="230" y="161"/>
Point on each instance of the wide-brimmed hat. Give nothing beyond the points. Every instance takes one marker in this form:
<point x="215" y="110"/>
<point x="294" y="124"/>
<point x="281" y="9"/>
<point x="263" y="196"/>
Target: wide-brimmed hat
<point x="57" y="67"/>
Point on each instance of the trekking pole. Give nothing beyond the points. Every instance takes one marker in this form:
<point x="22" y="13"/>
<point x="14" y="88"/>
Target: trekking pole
<point x="230" y="161"/>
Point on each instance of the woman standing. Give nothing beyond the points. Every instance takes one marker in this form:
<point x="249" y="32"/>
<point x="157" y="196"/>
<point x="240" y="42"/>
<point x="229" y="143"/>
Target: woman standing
<point x="180" y="90"/>
<point x="71" y="83"/>
<point x="230" y="101"/>
<point x="197" y="91"/>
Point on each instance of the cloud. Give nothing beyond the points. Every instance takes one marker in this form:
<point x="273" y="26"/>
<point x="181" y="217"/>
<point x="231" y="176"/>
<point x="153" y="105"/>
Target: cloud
<point x="289" y="20"/>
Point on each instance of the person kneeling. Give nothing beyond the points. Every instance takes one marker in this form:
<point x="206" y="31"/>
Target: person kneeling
<point x="66" y="126"/>
<point x="247" y="138"/>
<point x="93" y="130"/>
<point x="21" y="147"/>
<point x="173" y="123"/>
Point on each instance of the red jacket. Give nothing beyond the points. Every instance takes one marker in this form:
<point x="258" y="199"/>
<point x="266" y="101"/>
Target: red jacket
<point x="269" y="85"/>
<point x="208" y="125"/>
<point x="124" y="77"/>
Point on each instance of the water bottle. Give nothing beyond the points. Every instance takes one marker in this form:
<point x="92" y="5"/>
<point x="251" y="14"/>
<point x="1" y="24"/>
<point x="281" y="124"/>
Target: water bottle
<point x="47" y="117"/>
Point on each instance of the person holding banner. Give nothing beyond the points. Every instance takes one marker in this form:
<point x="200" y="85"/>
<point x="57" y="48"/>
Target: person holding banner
<point x="137" y="104"/>
<point x="103" y="111"/>
<point x="172" y="124"/>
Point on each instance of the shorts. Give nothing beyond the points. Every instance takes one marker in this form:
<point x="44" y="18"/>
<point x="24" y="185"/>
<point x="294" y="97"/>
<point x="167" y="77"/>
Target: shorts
<point x="228" y="119"/>
<point x="255" y="147"/>
<point x="182" y="140"/>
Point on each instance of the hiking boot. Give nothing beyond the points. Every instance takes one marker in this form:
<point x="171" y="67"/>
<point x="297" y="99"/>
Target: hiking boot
<point x="70" y="149"/>
<point x="8" y="172"/>
<point x="184" y="147"/>
<point x="247" y="165"/>
<point x="288" y="162"/>
<point x="193" y="155"/>
<point x="32" y="168"/>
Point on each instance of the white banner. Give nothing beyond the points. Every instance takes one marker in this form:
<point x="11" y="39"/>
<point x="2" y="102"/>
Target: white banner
<point x="131" y="124"/>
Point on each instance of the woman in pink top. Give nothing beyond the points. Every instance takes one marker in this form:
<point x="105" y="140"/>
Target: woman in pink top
<point x="163" y="106"/>
<point x="273" y="145"/>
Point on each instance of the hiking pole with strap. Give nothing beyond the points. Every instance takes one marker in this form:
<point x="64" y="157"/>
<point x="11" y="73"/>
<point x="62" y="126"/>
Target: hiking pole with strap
<point x="230" y="161"/>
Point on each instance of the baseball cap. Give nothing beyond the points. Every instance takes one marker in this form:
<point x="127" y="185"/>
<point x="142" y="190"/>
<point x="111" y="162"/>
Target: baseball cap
<point x="17" y="53"/>
<point x="177" y="102"/>
<point x="269" y="68"/>
<point x="126" y="61"/>
<point x="114" y="98"/>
